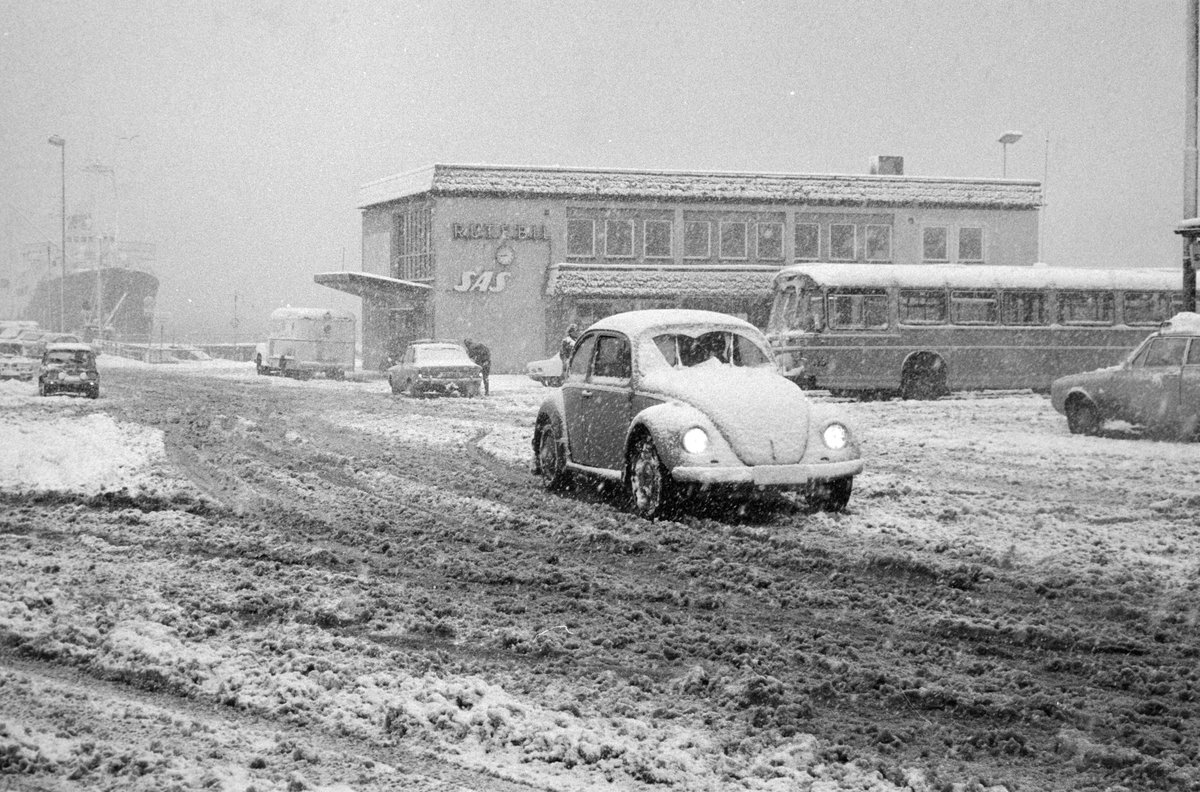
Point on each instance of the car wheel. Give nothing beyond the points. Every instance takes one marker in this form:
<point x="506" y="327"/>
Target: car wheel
<point x="1083" y="417"/>
<point x="830" y="495"/>
<point x="650" y="485"/>
<point x="94" y="393"/>
<point x="552" y="456"/>
<point x="392" y="384"/>
<point x="42" y="389"/>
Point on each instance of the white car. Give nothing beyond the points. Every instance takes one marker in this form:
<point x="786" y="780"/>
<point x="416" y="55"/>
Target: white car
<point x="669" y="402"/>
<point x="548" y="371"/>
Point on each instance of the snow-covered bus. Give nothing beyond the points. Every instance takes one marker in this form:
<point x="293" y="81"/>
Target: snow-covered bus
<point x="921" y="331"/>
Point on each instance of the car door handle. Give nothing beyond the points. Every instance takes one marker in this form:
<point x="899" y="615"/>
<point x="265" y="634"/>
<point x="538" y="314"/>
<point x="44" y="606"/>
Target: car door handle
<point x="587" y="394"/>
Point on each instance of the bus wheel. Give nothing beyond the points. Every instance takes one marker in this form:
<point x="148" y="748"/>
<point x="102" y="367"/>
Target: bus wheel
<point x="924" y="378"/>
<point x="1082" y="417"/>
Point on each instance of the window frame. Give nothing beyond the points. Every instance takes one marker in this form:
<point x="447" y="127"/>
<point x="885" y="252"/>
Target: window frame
<point x="646" y="239"/>
<point x="867" y="229"/>
<point x="945" y="232"/>
<point x="1107" y="304"/>
<point x="860" y="300"/>
<point x="982" y="252"/>
<point x="963" y="298"/>
<point x="853" y="242"/>
<point x="799" y="254"/>
<point x="610" y="222"/>
<point x="758" y="240"/>
<point x="902" y="299"/>
<point x="1010" y="297"/>
<point x="707" y="239"/>
<point x="592" y="250"/>
<point x="745" y="252"/>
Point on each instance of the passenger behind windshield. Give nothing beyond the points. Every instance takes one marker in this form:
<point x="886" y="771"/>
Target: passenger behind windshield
<point x="719" y="346"/>
<point x="79" y="357"/>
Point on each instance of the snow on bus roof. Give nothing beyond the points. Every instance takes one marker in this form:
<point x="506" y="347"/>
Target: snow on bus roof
<point x="980" y="276"/>
<point x="634" y="323"/>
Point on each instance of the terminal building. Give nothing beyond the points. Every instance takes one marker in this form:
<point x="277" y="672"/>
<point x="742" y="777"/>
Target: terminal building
<point x="510" y="256"/>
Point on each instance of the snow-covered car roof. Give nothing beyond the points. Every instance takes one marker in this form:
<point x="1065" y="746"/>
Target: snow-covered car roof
<point x="636" y="323"/>
<point x="981" y="276"/>
<point x="1183" y="323"/>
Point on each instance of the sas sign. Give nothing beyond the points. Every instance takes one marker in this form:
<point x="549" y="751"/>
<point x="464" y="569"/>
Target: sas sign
<point x="482" y="281"/>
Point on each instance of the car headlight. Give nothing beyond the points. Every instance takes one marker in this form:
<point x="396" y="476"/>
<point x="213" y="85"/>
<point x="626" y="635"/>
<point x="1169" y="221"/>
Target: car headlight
<point x="695" y="440"/>
<point x="835" y="436"/>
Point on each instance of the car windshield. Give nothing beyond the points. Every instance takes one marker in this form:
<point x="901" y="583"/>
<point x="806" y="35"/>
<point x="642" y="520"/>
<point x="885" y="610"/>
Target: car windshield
<point x="77" y="356"/>
<point x="440" y="355"/>
<point x="9" y="348"/>
<point x="681" y="349"/>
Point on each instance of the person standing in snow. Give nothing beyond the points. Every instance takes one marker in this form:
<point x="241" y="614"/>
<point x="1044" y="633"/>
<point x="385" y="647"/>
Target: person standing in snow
<point x="568" y="346"/>
<point x="482" y="357"/>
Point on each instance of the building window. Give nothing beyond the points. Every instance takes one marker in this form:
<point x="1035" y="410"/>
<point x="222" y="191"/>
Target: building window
<point x="581" y="238"/>
<point x="1023" y="308"/>
<point x="879" y="242"/>
<point x="935" y="244"/>
<point x="842" y="242"/>
<point x="973" y="307"/>
<point x="1085" y="307"/>
<point x="808" y="241"/>
<point x="697" y="239"/>
<point x="413" y="244"/>
<point x="922" y="306"/>
<point x="769" y="241"/>
<point x="733" y="240"/>
<point x="970" y="244"/>
<point x="618" y="238"/>
<point x="657" y="236"/>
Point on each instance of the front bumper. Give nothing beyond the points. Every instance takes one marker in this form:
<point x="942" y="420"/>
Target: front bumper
<point x="70" y="384"/>
<point x="769" y="475"/>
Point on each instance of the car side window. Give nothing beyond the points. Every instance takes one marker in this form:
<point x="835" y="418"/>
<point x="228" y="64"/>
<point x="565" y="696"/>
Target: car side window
<point x="613" y="360"/>
<point x="582" y="358"/>
<point x="1166" y="352"/>
<point x="1193" y="356"/>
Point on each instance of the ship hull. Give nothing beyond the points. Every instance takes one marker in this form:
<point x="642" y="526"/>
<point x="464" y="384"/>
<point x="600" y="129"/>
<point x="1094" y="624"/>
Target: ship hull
<point x="126" y="303"/>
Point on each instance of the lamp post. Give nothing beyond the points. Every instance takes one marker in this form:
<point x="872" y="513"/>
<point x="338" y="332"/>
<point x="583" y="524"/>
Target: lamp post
<point x="1005" y="139"/>
<point x="61" y="142"/>
<point x="100" y="170"/>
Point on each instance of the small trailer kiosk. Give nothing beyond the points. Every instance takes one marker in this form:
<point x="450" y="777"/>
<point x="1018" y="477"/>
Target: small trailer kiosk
<point x="303" y="341"/>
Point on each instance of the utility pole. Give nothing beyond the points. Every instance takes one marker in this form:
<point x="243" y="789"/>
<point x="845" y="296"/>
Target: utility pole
<point x="1188" y="229"/>
<point x="61" y="142"/>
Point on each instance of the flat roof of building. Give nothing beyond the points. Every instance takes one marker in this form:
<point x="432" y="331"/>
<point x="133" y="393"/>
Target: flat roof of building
<point x="609" y="184"/>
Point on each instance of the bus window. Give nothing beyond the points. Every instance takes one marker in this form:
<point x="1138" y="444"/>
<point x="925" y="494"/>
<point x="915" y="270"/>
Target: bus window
<point x="1023" y="308"/>
<point x="973" y="307"/>
<point x="858" y="310"/>
<point x="1085" y="307"/>
<point x="922" y="306"/>
<point x="1146" y="308"/>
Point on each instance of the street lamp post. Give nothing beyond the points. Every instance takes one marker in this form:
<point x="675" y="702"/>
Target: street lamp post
<point x="61" y="142"/>
<point x="1005" y="139"/>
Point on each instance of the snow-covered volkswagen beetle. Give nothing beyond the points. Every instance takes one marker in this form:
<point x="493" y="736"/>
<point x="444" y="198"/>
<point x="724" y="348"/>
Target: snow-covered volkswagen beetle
<point x="672" y="401"/>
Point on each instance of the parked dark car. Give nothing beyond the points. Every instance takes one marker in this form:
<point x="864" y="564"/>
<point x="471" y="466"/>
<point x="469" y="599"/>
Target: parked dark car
<point x="69" y="368"/>
<point x="671" y="402"/>
<point x="1156" y="387"/>
<point x="436" y="367"/>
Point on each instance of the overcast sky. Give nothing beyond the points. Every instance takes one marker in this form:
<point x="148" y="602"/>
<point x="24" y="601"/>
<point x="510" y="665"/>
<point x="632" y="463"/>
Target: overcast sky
<point x="238" y="132"/>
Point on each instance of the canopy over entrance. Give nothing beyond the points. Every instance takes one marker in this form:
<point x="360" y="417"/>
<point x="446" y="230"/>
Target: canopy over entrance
<point x="375" y="287"/>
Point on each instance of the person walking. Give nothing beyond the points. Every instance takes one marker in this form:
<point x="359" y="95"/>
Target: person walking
<point x="482" y="357"/>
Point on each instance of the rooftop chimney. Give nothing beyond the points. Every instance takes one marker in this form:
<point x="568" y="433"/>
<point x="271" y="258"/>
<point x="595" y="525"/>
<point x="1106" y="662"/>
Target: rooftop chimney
<point x="887" y="166"/>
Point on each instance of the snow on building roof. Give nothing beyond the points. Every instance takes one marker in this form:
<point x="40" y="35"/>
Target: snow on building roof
<point x="506" y="181"/>
<point x="666" y="281"/>
<point x="980" y="276"/>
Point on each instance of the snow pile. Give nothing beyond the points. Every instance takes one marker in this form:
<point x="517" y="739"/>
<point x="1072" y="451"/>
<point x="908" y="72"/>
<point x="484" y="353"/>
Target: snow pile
<point x="83" y="453"/>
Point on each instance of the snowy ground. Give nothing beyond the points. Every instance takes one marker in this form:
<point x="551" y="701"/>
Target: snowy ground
<point x="983" y="486"/>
